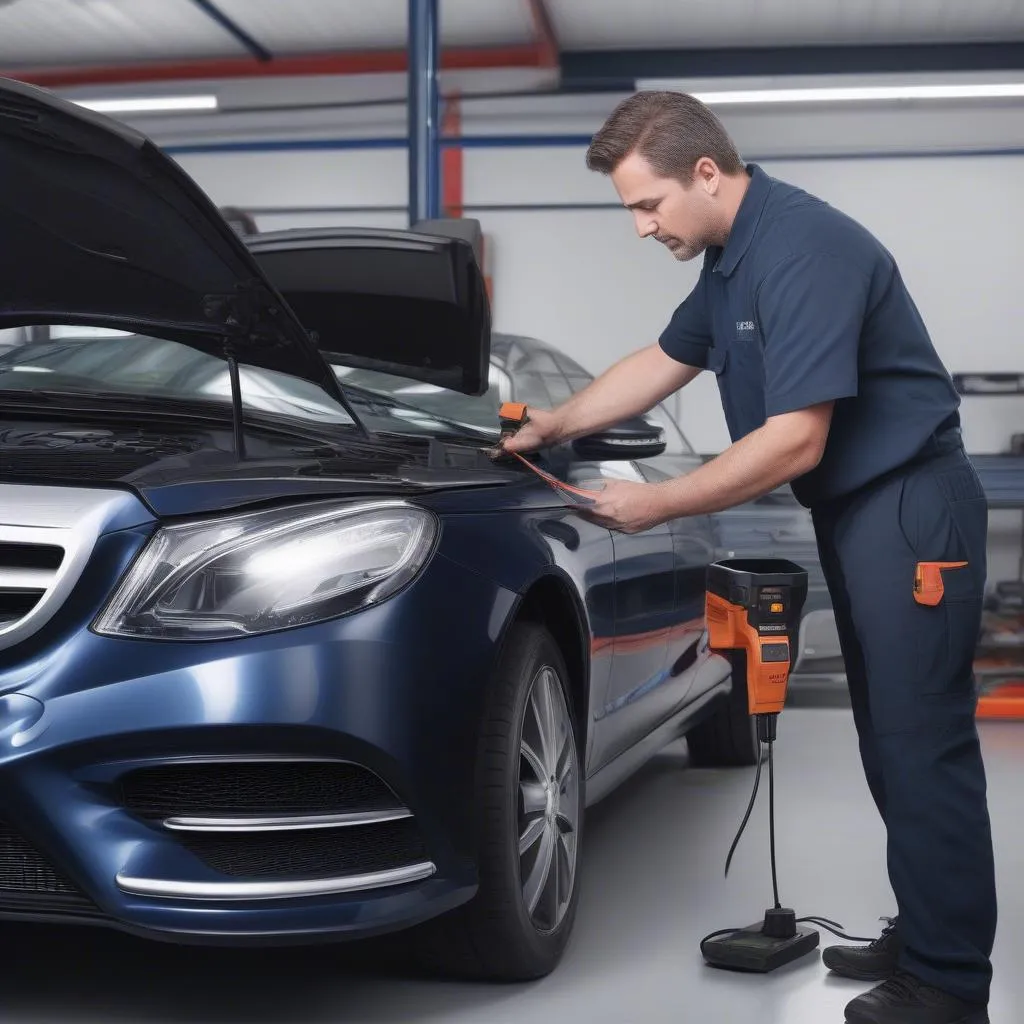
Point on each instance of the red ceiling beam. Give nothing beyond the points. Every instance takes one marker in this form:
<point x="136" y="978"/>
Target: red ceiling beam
<point x="367" y="62"/>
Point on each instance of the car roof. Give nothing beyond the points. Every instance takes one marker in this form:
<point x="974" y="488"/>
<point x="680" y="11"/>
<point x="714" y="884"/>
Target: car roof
<point x="502" y="345"/>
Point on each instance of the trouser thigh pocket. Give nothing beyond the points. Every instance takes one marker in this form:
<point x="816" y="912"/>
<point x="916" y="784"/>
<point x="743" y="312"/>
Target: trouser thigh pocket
<point x="943" y="517"/>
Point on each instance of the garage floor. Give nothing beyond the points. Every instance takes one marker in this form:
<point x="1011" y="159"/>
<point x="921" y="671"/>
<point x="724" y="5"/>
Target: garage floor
<point x="653" y="886"/>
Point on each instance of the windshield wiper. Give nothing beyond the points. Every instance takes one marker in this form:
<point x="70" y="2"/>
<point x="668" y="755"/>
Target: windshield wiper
<point x="369" y="395"/>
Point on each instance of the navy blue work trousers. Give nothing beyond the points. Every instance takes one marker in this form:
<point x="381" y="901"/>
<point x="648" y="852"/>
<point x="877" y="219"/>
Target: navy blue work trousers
<point x="909" y="668"/>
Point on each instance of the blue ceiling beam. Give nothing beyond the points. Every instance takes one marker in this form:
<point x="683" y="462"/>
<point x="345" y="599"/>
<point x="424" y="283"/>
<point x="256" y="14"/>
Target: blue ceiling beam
<point x="619" y="69"/>
<point x="209" y="8"/>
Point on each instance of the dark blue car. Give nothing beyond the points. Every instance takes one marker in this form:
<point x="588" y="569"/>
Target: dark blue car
<point x="286" y="655"/>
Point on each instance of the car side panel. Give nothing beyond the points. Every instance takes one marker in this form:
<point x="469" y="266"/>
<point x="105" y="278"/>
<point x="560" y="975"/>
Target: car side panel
<point x="518" y="546"/>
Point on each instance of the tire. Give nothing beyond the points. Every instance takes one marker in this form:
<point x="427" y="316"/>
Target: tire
<point x="728" y="739"/>
<point x="494" y="937"/>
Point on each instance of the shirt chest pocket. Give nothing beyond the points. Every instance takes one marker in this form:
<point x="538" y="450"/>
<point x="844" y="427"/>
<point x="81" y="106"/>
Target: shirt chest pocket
<point x="740" y="324"/>
<point x="737" y="343"/>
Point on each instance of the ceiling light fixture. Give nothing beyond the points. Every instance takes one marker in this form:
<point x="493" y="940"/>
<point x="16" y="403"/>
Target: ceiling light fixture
<point x="855" y="94"/>
<point x="149" y="105"/>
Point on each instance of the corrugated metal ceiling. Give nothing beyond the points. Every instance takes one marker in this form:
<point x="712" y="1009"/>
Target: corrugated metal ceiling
<point x="36" y="33"/>
<point x="641" y="24"/>
<point x="303" y="26"/>
<point x="39" y="32"/>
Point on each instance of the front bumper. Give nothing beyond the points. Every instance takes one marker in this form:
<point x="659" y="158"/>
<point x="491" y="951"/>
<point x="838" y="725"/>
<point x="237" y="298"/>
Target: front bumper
<point x="393" y="692"/>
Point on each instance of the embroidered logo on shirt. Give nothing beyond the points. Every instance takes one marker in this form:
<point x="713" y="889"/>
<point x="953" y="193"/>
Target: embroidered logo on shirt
<point x="745" y="325"/>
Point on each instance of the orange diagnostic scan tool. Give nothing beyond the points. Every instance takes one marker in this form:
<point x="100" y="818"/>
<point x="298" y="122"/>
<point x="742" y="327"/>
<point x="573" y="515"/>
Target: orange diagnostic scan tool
<point x="753" y="605"/>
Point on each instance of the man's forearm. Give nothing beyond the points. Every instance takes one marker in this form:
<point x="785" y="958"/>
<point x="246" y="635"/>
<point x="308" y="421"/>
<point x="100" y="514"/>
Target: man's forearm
<point x="778" y="452"/>
<point x="631" y="387"/>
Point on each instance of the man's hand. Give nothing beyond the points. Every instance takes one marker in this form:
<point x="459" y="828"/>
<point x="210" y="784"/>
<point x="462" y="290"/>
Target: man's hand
<point x="541" y="430"/>
<point x="632" y="386"/>
<point x="628" y="507"/>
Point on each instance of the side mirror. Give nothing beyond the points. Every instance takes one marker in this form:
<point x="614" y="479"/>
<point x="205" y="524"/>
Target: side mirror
<point x="637" y="438"/>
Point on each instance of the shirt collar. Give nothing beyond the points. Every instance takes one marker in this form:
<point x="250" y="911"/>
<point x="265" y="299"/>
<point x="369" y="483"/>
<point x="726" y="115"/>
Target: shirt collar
<point x="747" y="219"/>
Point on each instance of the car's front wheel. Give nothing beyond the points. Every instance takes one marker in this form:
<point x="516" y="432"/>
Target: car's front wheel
<point x="530" y="814"/>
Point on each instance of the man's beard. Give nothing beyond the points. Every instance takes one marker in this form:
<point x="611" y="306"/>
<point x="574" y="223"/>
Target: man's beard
<point x="680" y="250"/>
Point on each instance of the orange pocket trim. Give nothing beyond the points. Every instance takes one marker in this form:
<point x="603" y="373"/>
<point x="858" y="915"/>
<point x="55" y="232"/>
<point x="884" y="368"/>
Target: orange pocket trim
<point x="928" y="588"/>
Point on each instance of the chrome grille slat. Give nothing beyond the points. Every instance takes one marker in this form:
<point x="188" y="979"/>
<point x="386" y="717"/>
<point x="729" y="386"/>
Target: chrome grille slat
<point x="297" y="823"/>
<point x="26" y="579"/>
<point x="285" y="889"/>
<point x="47" y="535"/>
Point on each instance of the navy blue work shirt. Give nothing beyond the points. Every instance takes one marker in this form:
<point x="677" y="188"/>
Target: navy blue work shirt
<point x="801" y="306"/>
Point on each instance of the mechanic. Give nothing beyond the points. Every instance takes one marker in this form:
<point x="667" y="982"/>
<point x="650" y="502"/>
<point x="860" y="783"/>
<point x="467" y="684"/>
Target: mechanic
<point x="829" y="381"/>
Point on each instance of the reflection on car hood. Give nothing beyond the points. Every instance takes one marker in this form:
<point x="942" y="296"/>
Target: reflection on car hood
<point x="101" y="228"/>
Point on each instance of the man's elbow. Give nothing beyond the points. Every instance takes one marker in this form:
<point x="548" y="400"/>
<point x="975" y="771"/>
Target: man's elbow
<point x="810" y="453"/>
<point x="806" y="434"/>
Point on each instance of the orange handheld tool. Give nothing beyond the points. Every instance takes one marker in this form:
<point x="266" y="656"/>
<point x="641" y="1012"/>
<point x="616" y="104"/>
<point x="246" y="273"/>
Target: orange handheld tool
<point x="753" y="605"/>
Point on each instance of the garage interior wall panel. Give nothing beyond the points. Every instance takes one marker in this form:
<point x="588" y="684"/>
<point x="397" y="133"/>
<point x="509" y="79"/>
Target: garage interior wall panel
<point x="298" y="179"/>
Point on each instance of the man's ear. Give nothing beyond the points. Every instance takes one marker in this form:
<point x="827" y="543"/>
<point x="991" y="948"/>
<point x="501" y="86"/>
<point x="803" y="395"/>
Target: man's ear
<point x="707" y="175"/>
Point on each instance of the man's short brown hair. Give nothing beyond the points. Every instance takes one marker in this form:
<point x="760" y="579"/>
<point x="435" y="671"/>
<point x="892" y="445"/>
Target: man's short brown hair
<point x="670" y="130"/>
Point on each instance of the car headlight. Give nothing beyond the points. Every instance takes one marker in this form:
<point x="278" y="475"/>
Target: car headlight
<point x="264" y="571"/>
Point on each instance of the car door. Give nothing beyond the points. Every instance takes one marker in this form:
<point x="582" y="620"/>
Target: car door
<point x="695" y="547"/>
<point x="638" y="691"/>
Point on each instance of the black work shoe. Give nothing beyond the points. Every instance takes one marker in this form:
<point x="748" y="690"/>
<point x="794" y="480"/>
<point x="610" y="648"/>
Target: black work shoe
<point x="874" y="962"/>
<point x="904" y="999"/>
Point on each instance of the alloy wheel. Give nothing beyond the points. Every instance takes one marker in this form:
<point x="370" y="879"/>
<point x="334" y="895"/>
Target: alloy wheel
<point x="548" y="803"/>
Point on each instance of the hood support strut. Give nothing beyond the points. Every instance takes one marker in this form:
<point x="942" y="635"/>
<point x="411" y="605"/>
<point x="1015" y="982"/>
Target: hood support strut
<point x="236" y="403"/>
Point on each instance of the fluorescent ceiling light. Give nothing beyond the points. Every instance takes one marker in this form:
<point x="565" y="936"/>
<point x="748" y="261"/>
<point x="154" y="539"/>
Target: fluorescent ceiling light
<point x="152" y="104"/>
<point x="865" y="93"/>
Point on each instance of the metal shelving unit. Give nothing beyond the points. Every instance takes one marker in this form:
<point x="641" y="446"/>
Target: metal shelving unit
<point x="999" y="665"/>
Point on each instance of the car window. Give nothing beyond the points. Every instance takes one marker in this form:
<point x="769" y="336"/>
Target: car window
<point x="82" y="359"/>
<point x="537" y="379"/>
<point x="475" y="412"/>
<point x="575" y="375"/>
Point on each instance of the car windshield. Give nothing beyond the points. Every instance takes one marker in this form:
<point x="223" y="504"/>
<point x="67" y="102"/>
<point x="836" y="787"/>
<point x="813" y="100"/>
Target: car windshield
<point x="413" y="399"/>
<point x="92" y="361"/>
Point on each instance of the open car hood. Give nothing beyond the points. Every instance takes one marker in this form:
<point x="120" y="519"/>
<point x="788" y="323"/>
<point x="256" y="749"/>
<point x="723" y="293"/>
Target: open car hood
<point x="101" y="228"/>
<point x="412" y="303"/>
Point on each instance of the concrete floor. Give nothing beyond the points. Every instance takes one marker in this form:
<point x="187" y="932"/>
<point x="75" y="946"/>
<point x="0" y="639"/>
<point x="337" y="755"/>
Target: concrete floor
<point x="653" y="886"/>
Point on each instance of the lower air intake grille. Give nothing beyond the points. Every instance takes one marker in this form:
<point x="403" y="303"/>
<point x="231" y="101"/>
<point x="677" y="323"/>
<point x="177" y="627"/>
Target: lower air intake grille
<point x="330" y="853"/>
<point x="228" y="789"/>
<point x="29" y="884"/>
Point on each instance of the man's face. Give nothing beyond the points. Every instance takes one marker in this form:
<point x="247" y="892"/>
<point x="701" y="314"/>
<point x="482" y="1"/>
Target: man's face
<point x="684" y="218"/>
